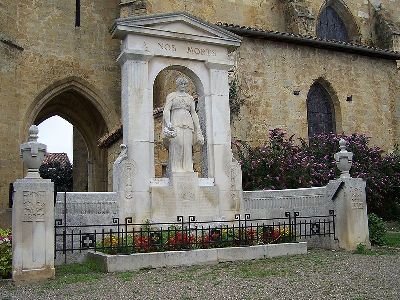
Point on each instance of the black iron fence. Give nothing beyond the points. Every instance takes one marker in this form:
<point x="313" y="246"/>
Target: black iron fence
<point x="187" y="234"/>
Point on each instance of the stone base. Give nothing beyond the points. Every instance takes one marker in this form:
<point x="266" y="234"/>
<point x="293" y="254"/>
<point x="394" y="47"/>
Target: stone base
<point x="137" y="261"/>
<point x="33" y="275"/>
<point x="184" y="195"/>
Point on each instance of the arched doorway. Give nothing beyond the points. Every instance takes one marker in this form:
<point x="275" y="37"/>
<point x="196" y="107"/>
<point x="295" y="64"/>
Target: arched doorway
<point x="77" y="104"/>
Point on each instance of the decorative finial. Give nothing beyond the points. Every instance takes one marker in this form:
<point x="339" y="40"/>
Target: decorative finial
<point x="342" y="144"/>
<point x="344" y="159"/>
<point x="32" y="153"/>
<point x="33" y="133"/>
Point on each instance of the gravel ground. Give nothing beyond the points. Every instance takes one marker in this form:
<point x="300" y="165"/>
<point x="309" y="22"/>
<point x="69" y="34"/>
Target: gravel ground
<point x="321" y="274"/>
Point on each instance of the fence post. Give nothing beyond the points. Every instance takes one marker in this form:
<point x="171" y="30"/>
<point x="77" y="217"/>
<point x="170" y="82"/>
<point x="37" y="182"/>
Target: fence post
<point x="33" y="217"/>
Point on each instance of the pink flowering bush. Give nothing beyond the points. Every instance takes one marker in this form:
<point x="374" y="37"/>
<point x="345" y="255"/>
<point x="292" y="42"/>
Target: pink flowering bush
<point x="283" y="164"/>
<point x="5" y="253"/>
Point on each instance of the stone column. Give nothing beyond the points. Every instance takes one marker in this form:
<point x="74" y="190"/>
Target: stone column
<point x="33" y="217"/>
<point x="219" y="143"/>
<point x="138" y="135"/>
<point x="350" y="205"/>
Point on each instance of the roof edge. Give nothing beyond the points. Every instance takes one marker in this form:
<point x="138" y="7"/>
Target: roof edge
<point x="312" y="42"/>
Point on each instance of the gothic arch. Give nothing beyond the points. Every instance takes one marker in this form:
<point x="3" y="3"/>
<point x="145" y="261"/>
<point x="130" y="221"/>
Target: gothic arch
<point x="336" y="22"/>
<point x="77" y="102"/>
<point x="323" y="109"/>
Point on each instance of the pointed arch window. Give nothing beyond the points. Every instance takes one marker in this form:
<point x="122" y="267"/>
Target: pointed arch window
<point x="331" y="26"/>
<point x="320" y="111"/>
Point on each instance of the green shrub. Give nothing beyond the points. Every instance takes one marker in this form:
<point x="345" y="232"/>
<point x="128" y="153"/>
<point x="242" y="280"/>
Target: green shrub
<point x="5" y="253"/>
<point x="283" y="163"/>
<point x="361" y="249"/>
<point x="377" y="230"/>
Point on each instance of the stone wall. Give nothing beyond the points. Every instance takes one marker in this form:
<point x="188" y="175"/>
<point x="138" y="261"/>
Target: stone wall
<point x="281" y="15"/>
<point x="54" y="51"/>
<point x="45" y="49"/>
<point x="80" y="170"/>
<point x="10" y="52"/>
<point x="269" y="101"/>
<point x="263" y="14"/>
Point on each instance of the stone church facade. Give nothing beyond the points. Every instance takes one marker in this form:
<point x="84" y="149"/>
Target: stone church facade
<point x="304" y="66"/>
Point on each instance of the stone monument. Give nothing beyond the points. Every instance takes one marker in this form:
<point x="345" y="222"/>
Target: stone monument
<point x="201" y="51"/>
<point x="33" y="217"/>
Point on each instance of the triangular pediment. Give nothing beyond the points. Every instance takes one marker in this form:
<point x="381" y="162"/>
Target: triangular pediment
<point x="180" y="26"/>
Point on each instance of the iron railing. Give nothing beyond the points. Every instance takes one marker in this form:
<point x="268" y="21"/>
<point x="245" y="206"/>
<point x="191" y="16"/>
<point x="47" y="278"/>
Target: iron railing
<point x="187" y="234"/>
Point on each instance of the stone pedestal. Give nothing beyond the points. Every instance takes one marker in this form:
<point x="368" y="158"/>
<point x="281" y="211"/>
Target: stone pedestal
<point x="33" y="229"/>
<point x="351" y="214"/>
<point x="184" y="194"/>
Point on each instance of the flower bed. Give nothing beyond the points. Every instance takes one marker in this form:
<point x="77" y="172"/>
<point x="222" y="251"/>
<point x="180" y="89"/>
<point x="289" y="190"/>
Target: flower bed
<point x="5" y="253"/>
<point x="152" y="239"/>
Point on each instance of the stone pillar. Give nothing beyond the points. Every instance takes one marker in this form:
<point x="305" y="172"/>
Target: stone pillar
<point x="351" y="214"/>
<point x="219" y="143"/>
<point x="33" y="217"/>
<point x="350" y="205"/>
<point x="138" y="135"/>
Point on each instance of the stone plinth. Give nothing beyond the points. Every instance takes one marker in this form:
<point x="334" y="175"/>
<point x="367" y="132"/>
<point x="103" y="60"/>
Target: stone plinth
<point x="184" y="194"/>
<point x="33" y="230"/>
<point x="351" y="214"/>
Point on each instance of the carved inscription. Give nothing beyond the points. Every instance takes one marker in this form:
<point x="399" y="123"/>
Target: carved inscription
<point x="356" y="198"/>
<point x="296" y="202"/>
<point x="201" y="51"/>
<point x="169" y="47"/>
<point x="130" y="174"/>
<point x="34" y="206"/>
<point x="186" y="192"/>
<point x="90" y="208"/>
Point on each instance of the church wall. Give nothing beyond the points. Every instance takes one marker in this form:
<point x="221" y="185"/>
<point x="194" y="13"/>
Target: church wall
<point x="263" y="14"/>
<point x="9" y="106"/>
<point x="54" y="49"/>
<point x="269" y="72"/>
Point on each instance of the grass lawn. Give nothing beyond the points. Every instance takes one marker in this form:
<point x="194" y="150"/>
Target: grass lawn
<point x="393" y="239"/>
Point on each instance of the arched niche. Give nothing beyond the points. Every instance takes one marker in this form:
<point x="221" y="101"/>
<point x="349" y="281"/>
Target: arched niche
<point x="75" y="102"/>
<point x="164" y="84"/>
<point x="323" y="109"/>
<point x="336" y="22"/>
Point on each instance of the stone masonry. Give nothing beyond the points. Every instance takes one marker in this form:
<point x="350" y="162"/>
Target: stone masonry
<point x="48" y="66"/>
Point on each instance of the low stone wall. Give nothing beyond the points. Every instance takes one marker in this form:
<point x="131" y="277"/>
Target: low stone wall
<point x="124" y="263"/>
<point x="315" y="203"/>
<point x="274" y="203"/>
<point x="87" y="208"/>
<point x="82" y="209"/>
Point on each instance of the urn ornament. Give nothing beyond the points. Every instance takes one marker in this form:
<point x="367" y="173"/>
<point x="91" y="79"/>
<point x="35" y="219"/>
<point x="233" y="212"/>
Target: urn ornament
<point x="344" y="159"/>
<point x="32" y="153"/>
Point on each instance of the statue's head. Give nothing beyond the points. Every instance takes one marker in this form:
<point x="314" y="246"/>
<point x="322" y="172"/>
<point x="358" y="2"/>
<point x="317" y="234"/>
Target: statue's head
<point x="181" y="84"/>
